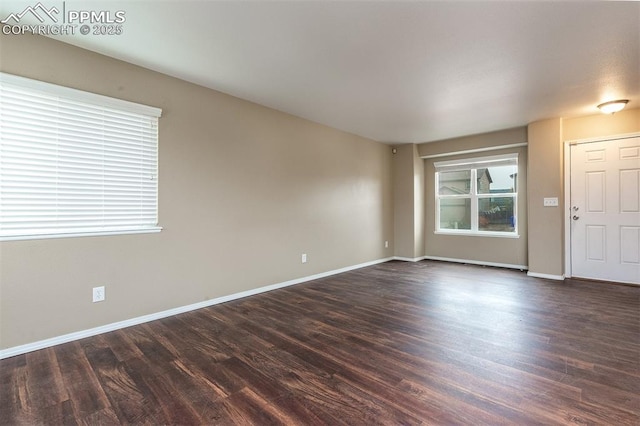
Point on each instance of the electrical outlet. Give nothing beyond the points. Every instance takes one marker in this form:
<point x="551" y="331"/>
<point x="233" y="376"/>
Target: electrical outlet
<point x="98" y="294"/>
<point x="304" y="258"/>
<point x="386" y="244"/>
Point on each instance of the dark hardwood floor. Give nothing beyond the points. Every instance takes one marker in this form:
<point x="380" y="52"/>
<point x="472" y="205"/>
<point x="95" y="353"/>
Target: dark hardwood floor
<point x="396" y="343"/>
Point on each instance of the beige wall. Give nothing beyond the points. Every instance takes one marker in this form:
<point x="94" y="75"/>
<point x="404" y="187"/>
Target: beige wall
<point x="506" y="251"/>
<point x="601" y="125"/>
<point x="499" y="138"/>
<point x="403" y="201"/>
<point x="546" y="179"/>
<point x="244" y="191"/>
<point x="419" y="205"/>
<point x="408" y="184"/>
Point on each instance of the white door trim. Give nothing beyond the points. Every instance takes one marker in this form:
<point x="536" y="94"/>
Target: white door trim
<point x="567" y="190"/>
<point x="567" y="208"/>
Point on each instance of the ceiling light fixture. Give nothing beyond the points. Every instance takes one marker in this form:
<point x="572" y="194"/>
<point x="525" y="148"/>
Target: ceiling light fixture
<point x="613" y="106"/>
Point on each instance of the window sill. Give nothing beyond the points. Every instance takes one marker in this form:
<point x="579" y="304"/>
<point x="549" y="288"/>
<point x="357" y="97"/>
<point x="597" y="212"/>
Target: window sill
<point x="478" y="234"/>
<point x="152" y="230"/>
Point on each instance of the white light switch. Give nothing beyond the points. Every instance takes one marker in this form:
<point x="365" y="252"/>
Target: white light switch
<point x="551" y="202"/>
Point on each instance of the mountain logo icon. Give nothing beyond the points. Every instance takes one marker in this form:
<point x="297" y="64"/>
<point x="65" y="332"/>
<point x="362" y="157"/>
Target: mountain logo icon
<point x="38" y="10"/>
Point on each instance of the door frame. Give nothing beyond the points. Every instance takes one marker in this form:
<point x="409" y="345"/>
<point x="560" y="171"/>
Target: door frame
<point x="567" y="190"/>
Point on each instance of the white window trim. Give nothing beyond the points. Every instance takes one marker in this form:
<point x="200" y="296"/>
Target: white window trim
<point x="100" y="101"/>
<point x="473" y="164"/>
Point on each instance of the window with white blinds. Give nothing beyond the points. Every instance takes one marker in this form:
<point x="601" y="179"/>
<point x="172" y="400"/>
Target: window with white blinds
<point x="74" y="163"/>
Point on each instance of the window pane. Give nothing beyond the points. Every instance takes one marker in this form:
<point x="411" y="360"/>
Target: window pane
<point x="497" y="180"/>
<point x="496" y="214"/>
<point x="458" y="182"/>
<point x="455" y="213"/>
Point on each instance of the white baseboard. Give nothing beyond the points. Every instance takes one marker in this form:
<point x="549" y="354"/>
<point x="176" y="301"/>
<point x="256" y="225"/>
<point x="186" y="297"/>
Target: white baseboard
<point x="409" y="259"/>
<point x="546" y="276"/>
<point x="41" y="344"/>
<point x="478" y="262"/>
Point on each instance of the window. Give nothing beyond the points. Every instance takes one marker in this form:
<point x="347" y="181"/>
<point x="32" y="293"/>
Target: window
<point x="477" y="196"/>
<point x="74" y="163"/>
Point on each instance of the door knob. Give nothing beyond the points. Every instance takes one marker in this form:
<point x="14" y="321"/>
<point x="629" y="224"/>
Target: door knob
<point x="576" y="217"/>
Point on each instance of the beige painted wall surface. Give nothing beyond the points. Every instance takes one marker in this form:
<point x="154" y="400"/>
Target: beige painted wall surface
<point x="507" y="251"/>
<point x="408" y="184"/>
<point x="419" y="205"/>
<point x="516" y="135"/>
<point x="403" y="201"/>
<point x="601" y="125"/>
<point x="545" y="180"/>
<point x="244" y="191"/>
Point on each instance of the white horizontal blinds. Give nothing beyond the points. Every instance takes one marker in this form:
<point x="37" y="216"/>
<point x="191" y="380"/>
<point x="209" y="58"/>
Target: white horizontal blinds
<point x="477" y="163"/>
<point x="73" y="162"/>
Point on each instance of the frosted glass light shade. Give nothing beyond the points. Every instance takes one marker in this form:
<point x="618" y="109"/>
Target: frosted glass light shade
<point x="613" y="106"/>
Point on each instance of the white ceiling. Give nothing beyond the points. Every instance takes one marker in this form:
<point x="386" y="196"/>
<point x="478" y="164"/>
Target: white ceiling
<point x="392" y="71"/>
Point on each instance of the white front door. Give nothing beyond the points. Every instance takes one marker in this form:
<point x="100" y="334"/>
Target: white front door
<point x="605" y="210"/>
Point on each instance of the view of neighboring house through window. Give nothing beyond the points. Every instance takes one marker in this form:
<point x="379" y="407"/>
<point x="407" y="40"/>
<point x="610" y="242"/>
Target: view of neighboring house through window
<point x="477" y="196"/>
